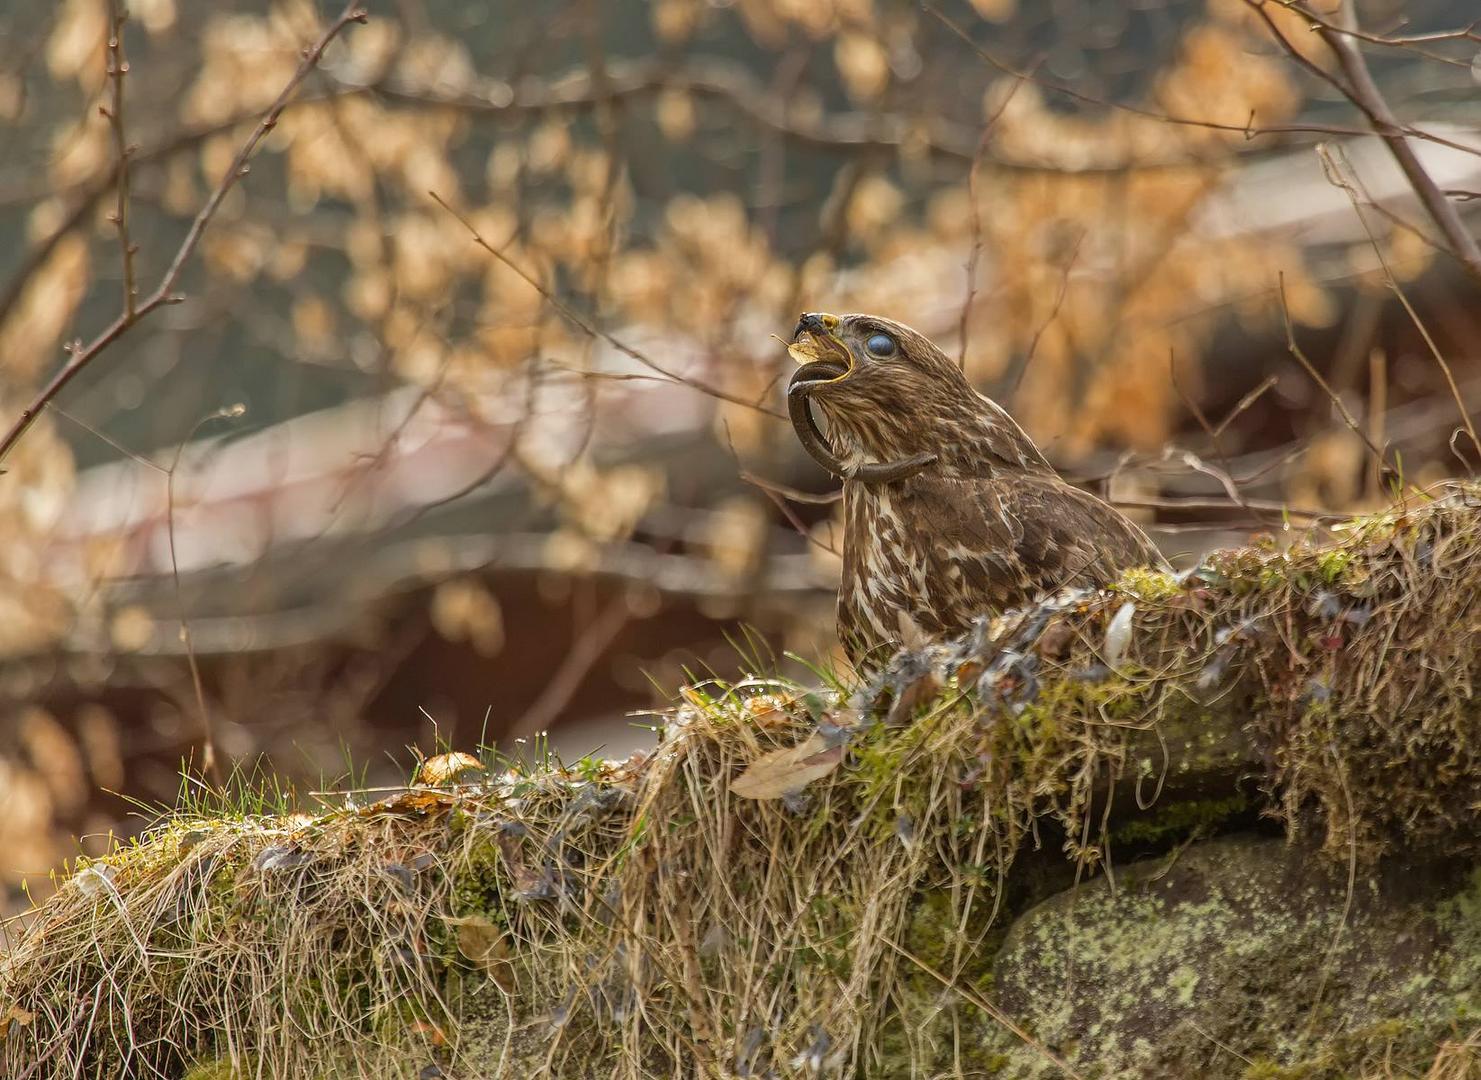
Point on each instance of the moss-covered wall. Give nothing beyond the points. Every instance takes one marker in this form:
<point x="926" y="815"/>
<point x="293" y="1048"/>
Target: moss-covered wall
<point x="1043" y="849"/>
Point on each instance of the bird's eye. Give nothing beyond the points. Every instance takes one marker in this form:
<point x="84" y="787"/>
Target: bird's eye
<point x="880" y="345"/>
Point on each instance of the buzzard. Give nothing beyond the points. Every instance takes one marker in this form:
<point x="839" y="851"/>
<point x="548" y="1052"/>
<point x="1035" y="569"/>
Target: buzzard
<point x="950" y="510"/>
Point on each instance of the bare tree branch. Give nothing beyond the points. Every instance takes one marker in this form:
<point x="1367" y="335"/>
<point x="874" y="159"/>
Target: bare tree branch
<point x="83" y="355"/>
<point x="1358" y="87"/>
<point x="586" y="325"/>
<point x="1316" y="377"/>
<point x="1335" y="175"/>
<point x="1249" y="129"/>
<point x="118" y="67"/>
<point x="1409" y="42"/>
<point x="715" y="79"/>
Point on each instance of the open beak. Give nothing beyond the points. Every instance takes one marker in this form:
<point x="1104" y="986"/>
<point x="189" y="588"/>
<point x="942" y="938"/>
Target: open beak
<point x="816" y="346"/>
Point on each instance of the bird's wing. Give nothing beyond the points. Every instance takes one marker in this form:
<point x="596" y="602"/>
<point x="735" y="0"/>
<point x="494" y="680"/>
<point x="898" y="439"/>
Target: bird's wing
<point x="1020" y="533"/>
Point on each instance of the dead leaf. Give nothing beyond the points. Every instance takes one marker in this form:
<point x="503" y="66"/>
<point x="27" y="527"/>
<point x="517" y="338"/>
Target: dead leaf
<point x="1118" y="634"/>
<point x="429" y="1031"/>
<point x="1054" y="643"/>
<point x="454" y="768"/>
<point x="15" y="1015"/>
<point x="783" y="772"/>
<point x="411" y="802"/>
<point x="487" y="946"/>
<point x="917" y="691"/>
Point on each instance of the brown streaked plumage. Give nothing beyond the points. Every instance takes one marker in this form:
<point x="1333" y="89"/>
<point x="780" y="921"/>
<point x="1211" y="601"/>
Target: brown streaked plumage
<point x="950" y="510"/>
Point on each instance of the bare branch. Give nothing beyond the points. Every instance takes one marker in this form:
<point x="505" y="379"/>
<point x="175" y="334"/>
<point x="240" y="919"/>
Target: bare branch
<point x="1362" y="91"/>
<point x="1249" y="129"/>
<point x="1244" y="403"/>
<point x="975" y="257"/>
<point x="1409" y="42"/>
<point x="83" y="355"/>
<point x="1252" y="506"/>
<point x="588" y="648"/>
<point x="1316" y="376"/>
<point x="588" y="327"/>
<point x="210" y="765"/>
<point x="1377" y="412"/>
<point x="118" y="67"/>
<point x="790" y="493"/>
<point x="1013" y="379"/>
<point x="1335" y="175"/>
<point x="1192" y="460"/>
<point x="714" y="79"/>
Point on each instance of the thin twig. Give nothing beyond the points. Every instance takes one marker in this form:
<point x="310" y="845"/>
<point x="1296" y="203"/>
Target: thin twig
<point x="1222" y="1046"/>
<point x="209" y="763"/>
<point x="996" y="1014"/>
<point x="1222" y="475"/>
<point x="1316" y="376"/>
<point x="1258" y="7"/>
<point x="1336" y="176"/>
<point x="1330" y="959"/>
<point x="1249" y="129"/>
<point x="1377" y="412"/>
<point x="714" y="78"/>
<point x="1244" y="403"/>
<point x="1021" y="368"/>
<point x="791" y="493"/>
<point x="589" y="647"/>
<point x="1408" y="42"/>
<point x="104" y="437"/>
<point x="976" y="255"/>
<point x="1252" y="505"/>
<point x="83" y="355"/>
<point x="118" y="68"/>
<point x="779" y="495"/>
<point x="588" y="327"/>
<point x="1363" y="92"/>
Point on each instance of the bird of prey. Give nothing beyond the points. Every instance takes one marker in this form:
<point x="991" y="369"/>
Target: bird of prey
<point x="950" y="510"/>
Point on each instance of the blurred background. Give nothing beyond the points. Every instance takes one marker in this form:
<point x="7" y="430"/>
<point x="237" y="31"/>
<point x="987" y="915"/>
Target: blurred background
<point x="469" y="423"/>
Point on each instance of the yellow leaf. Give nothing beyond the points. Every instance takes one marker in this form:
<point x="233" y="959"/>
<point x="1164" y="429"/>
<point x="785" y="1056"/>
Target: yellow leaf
<point x="862" y="62"/>
<point x="454" y="768"/>
<point x="675" y="114"/>
<point x="76" y="43"/>
<point x="486" y="945"/>
<point x="996" y="10"/>
<point x="15" y="1015"/>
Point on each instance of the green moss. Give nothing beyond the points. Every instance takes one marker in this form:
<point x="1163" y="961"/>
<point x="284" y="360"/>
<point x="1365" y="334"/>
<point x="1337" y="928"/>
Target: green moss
<point x="1360" y="1052"/>
<point x="216" y="1069"/>
<point x="1333" y="564"/>
<point x="477" y="887"/>
<point x="1460" y="919"/>
<point x="1148" y="585"/>
<point x="1181" y="820"/>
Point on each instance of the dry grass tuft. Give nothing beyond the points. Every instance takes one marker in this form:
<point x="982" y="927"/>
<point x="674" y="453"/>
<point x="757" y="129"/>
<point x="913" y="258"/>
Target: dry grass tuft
<point x="641" y="919"/>
<point x="1458" y="1060"/>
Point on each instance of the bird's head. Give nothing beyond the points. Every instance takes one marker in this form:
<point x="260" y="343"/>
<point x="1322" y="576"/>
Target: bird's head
<point x="889" y="394"/>
<point x="858" y="354"/>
